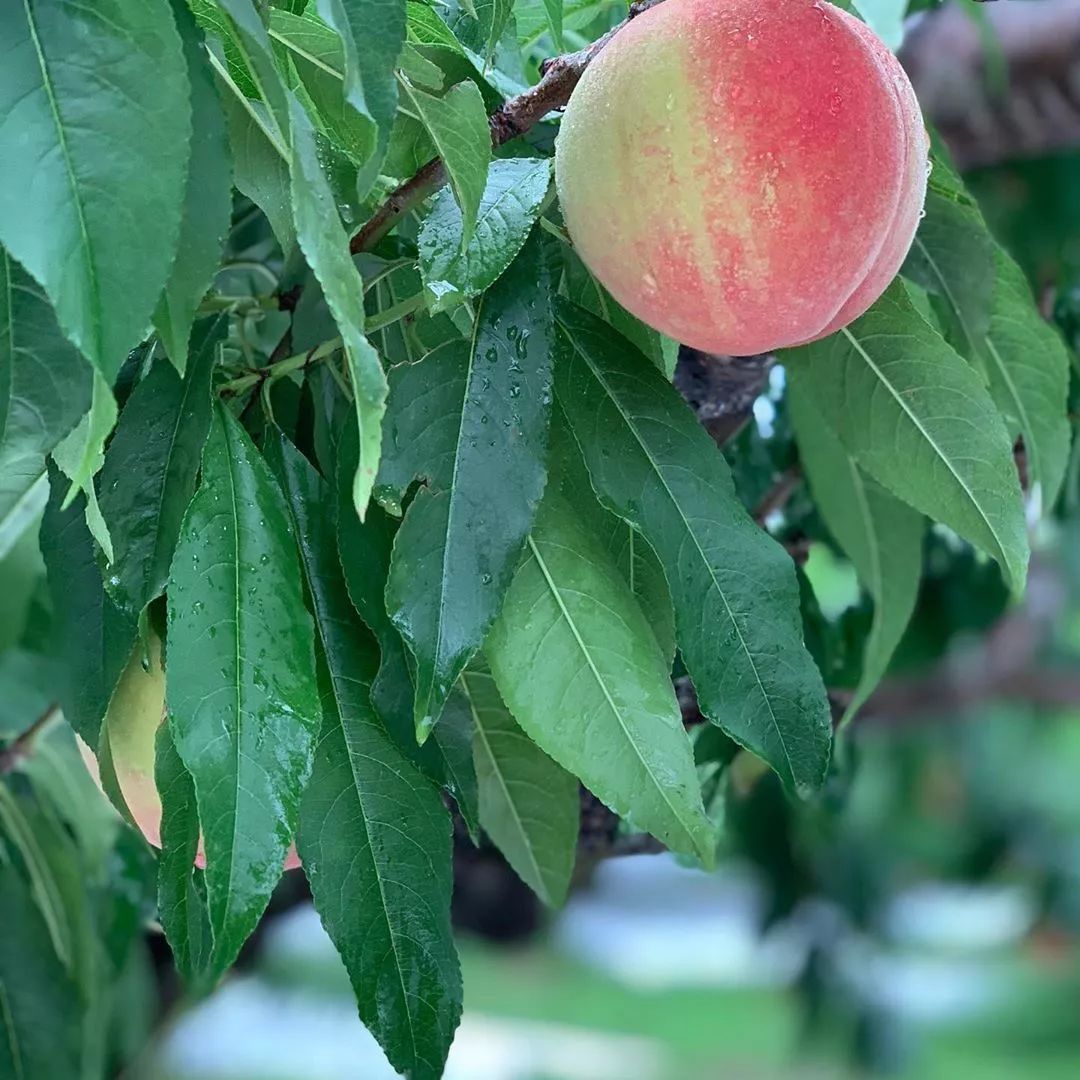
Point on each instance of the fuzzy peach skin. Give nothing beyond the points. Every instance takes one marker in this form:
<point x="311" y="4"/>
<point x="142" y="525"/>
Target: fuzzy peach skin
<point x="136" y="711"/>
<point x="743" y="175"/>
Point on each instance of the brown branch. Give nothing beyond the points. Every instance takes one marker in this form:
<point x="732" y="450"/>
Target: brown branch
<point x="559" y="76"/>
<point x="22" y="747"/>
<point x="776" y="498"/>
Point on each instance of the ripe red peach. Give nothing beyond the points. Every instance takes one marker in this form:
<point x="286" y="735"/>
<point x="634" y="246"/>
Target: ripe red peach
<point x="131" y="724"/>
<point x="743" y="175"/>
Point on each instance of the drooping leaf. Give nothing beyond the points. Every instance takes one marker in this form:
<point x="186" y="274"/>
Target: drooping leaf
<point x="93" y="635"/>
<point x="241" y="692"/>
<point x="918" y="419"/>
<point x="733" y="588"/>
<point x="40" y="1010"/>
<point x="573" y="658"/>
<point x="252" y="41"/>
<point x="152" y="465"/>
<point x="458" y="125"/>
<point x="78" y="207"/>
<point x="880" y="534"/>
<point x="181" y="888"/>
<point x="326" y="245"/>
<point x="374" y="836"/>
<point x="1028" y="367"/>
<point x="207" y="201"/>
<point x="508" y="209"/>
<point x="952" y="258"/>
<point x="471" y="421"/>
<point x="529" y="805"/>
<point x="81" y="453"/>
<point x="260" y="171"/>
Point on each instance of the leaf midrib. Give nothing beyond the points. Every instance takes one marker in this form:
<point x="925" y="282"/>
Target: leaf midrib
<point x="880" y="375"/>
<point x="76" y="195"/>
<point x="478" y="726"/>
<point x="604" y="689"/>
<point x="690" y="532"/>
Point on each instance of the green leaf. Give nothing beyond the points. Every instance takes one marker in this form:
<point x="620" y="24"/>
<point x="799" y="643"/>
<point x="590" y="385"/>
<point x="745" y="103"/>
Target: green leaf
<point x="918" y="419"/>
<point x="734" y="589"/>
<point x="1028" y="366"/>
<point x="508" y="208"/>
<point x="374" y="835"/>
<point x="453" y="735"/>
<point x="885" y="18"/>
<point x="573" y="658"/>
<point x="93" y="635"/>
<point x="471" y="420"/>
<point x="458" y="125"/>
<point x="207" y="205"/>
<point x="372" y="33"/>
<point x="529" y="806"/>
<point x="554" y="12"/>
<point x="881" y="535"/>
<point x="326" y="245"/>
<point x="40" y="1010"/>
<point x="181" y="888"/>
<point x="81" y="453"/>
<point x="252" y="40"/>
<point x="241" y="687"/>
<point x="259" y="170"/>
<point x="78" y="207"/>
<point x="151" y="468"/>
<point x="952" y="258"/>
<point x="45" y="387"/>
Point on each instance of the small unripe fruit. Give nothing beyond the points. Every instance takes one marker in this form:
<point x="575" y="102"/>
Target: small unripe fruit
<point x="129" y="733"/>
<point x="743" y="175"/>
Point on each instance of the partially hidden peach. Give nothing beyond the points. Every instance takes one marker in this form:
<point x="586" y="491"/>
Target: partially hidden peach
<point x="135" y="713"/>
<point x="743" y="175"/>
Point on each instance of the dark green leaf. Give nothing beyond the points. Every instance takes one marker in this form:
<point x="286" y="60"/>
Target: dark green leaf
<point x="471" y="420"/>
<point x="152" y="465"/>
<point x="1029" y="378"/>
<point x="733" y="588"/>
<point x="880" y="534"/>
<point x="574" y="659"/>
<point x="241" y="688"/>
<point x="181" y="888"/>
<point x="94" y="635"/>
<point x="78" y="207"/>
<point x="40" y="1010"/>
<point x="374" y="835"/>
<point x="917" y="417"/>
<point x="529" y="806"/>
<point x="207" y="201"/>
<point x="326" y="245"/>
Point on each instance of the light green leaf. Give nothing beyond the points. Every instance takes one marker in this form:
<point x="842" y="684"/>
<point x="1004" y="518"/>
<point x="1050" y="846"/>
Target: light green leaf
<point x="554" y="11"/>
<point x="574" y="659"/>
<point x="241" y="694"/>
<point x="881" y="535"/>
<point x="918" y="419"/>
<point x="151" y="467"/>
<point x="326" y="245"/>
<point x="1029" y="378"/>
<point x="374" y="835"/>
<point x="508" y="209"/>
<point x="207" y="201"/>
<point x="529" y="806"/>
<point x="252" y="41"/>
<point x="93" y="635"/>
<point x="952" y="258"/>
<point x="78" y="206"/>
<point x="458" y="125"/>
<point x="734" y="589"/>
<point x="259" y="170"/>
<point x="471" y="419"/>
<point x="885" y="18"/>
<point x="24" y="489"/>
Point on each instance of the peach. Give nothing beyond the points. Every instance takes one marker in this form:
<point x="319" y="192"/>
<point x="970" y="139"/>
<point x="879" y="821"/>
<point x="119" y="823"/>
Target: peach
<point x="135" y="712"/>
<point x="743" y="175"/>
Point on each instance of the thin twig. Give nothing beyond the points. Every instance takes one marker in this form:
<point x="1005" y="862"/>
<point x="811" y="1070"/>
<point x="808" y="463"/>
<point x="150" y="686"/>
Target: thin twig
<point x="559" y="77"/>
<point x="776" y="498"/>
<point x="12" y="756"/>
